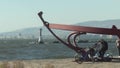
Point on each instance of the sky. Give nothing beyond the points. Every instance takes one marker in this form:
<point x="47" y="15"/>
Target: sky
<point x="20" y="14"/>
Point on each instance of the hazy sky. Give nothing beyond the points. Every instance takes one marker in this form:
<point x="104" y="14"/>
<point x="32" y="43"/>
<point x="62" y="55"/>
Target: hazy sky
<point x="17" y="14"/>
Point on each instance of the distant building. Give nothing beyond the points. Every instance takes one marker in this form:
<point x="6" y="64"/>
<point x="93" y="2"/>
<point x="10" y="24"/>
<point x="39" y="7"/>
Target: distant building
<point x="101" y="35"/>
<point x="109" y="36"/>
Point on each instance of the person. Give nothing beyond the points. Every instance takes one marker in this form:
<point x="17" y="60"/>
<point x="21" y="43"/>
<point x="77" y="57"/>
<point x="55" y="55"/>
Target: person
<point x="104" y="48"/>
<point x="101" y="47"/>
<point x="118" y="45"/>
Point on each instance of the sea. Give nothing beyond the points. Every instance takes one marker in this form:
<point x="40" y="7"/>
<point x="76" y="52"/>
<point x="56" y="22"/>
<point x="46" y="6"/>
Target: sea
<point x="29" y="49"/>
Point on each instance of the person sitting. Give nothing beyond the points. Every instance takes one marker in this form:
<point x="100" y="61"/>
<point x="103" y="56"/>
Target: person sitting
<point x="101" y="47"/>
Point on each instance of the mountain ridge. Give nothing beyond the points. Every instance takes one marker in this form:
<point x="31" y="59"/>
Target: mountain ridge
<point x="34" y="31"/>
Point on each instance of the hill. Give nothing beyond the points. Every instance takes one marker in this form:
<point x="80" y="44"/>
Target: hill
<point x="34" y="31"/>
<point x="104" y="24"/>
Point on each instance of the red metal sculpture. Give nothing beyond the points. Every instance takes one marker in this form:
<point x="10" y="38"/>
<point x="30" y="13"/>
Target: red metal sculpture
<point x="78" y="30"/>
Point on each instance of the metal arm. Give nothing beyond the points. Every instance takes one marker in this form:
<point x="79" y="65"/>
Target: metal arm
<point x="68" y="44"/>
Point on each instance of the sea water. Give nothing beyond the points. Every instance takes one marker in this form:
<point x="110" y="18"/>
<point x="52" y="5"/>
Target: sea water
<point x="27" y="49"/>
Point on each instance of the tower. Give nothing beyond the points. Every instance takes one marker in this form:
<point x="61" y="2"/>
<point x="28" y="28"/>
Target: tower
<point x="40" y="40"/>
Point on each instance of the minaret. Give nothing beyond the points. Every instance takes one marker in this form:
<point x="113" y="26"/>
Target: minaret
<point x="40" y="40"/>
